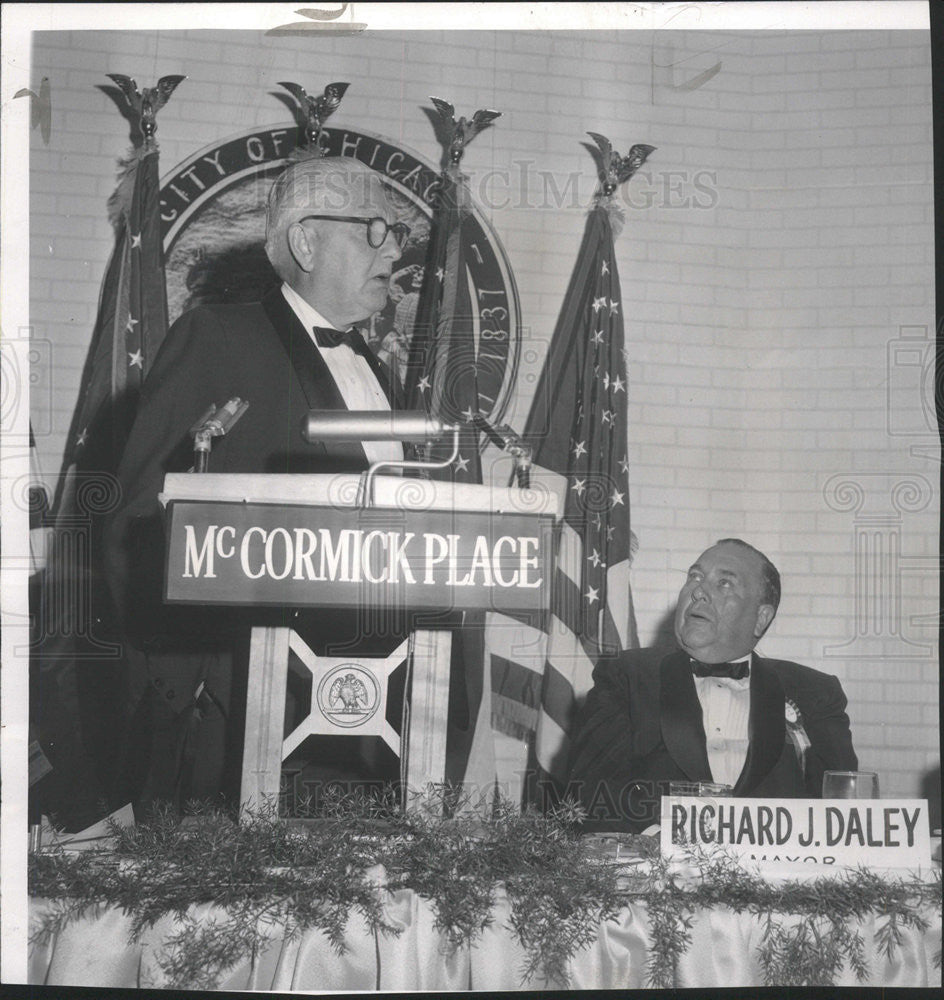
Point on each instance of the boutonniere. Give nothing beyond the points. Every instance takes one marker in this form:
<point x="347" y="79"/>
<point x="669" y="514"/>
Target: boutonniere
<point x="796" y="734"/>
<point x="792" y="713"/>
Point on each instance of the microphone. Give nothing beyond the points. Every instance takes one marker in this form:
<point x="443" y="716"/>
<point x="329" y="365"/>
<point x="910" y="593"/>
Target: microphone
<point x="371" y="425"/>
<point x="379" y="425"/>
<point x="506" y="439"/>
<point x="215" y="422"/>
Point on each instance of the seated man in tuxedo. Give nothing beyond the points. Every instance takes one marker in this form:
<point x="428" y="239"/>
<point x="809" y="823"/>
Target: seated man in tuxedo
<point x="712" y="710"/>
<point x="332" y="238"/>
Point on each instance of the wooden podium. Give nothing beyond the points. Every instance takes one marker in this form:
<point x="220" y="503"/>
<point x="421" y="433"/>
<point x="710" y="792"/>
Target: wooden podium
<point x="301" y="541"/>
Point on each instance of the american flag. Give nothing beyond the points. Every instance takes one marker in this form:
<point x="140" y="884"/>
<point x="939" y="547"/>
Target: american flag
<point x="578" y="426"/>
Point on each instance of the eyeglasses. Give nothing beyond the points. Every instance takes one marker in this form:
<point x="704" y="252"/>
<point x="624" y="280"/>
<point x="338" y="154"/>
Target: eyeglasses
<point x="377" y="228"/>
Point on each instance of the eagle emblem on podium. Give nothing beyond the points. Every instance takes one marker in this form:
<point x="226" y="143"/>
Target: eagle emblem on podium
<point x="349" y="695"/>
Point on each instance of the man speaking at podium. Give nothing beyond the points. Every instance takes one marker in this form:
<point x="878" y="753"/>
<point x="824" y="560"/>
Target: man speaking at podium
<point x="712" y="710"/>
<point x="333" y="239"/>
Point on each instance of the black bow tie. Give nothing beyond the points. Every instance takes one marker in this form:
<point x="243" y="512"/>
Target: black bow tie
<point x="738" y="670"/>
<point x="325" y="336"/>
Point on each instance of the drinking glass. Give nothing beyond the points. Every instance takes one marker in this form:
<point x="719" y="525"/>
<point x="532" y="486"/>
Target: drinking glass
<point x="850" y="785"/>
<point x="703" y="789"/>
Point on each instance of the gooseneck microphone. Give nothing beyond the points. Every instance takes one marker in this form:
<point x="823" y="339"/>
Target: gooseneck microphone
<point x="215" y="422"/>
<point x="506" y="439"/>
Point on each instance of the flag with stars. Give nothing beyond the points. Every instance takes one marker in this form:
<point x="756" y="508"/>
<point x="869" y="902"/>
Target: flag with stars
<point x="577" y="424"/>
<point x="442" y="381"/>
<point x="75" y="665"/>
<point x="442" y="377"/>
<point x="130" y="327"/>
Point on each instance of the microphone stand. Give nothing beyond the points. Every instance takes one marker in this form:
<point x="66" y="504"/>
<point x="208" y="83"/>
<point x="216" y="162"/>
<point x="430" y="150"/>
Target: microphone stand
<point x="506" y="439"/>
<point x="215" y="422"/>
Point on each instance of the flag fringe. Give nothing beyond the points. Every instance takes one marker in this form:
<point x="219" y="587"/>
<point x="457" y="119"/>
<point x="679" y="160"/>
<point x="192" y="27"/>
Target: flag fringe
<point x="513" y="719"/>
<point x="615" y="211"/>
<point x="119" y="203"/>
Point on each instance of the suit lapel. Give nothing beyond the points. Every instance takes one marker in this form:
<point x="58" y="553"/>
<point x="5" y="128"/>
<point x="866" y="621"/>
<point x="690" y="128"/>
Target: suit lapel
<point x="766" y="726"/>
<point x="320" y="389"/>
<point x="683" y="731"/>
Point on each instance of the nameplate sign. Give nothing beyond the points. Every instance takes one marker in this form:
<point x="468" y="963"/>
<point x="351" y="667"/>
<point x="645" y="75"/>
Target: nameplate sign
<point x="388" y="558"/>
<point x="879" y="833"/>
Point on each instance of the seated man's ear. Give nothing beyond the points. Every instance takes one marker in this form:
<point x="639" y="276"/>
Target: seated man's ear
<point x="765" y="615"/>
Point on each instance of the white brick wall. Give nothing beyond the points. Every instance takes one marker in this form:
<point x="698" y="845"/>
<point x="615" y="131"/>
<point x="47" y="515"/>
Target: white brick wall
<point x="780" y="240"/>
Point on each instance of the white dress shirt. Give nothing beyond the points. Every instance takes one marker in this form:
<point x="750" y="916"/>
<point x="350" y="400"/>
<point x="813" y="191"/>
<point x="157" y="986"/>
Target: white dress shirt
<point x="725" y="709"/>
<point x="356" y="383"/>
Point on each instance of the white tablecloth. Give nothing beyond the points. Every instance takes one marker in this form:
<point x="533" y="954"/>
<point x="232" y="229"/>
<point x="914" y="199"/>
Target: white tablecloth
<point x="96" y="951"/>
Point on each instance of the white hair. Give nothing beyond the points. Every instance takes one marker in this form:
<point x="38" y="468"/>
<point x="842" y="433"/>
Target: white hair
<point x="331" y="185"/>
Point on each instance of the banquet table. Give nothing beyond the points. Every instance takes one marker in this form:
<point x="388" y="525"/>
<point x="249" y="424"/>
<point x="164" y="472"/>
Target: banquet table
<point x="96" y="950"/>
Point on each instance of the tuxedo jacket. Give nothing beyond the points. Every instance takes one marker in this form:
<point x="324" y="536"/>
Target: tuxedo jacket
<point x="261" y="353"/>
<point x="641" y="728"/>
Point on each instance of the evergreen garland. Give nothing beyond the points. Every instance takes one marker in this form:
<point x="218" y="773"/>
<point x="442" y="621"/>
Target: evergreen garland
<point x="271" y="879"/>
<point x="827" y="912"/>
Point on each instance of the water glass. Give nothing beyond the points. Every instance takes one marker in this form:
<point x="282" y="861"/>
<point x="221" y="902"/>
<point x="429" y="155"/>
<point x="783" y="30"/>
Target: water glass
<point x="703" y="789"/>
<point x="850" y="785"/>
